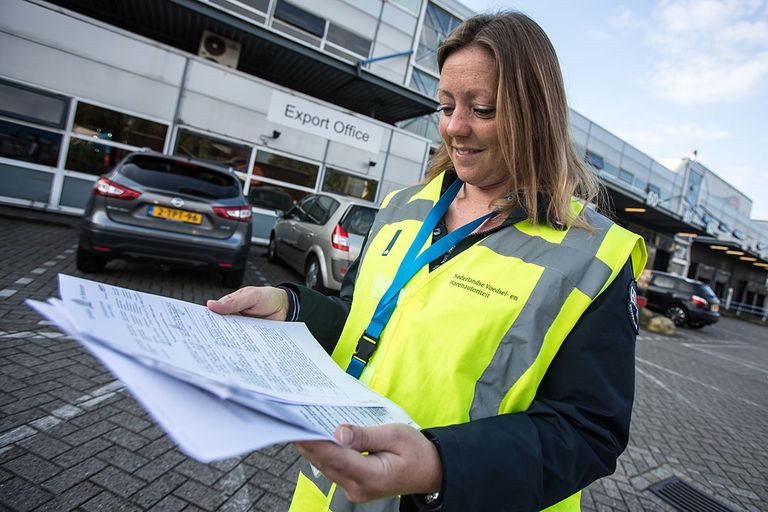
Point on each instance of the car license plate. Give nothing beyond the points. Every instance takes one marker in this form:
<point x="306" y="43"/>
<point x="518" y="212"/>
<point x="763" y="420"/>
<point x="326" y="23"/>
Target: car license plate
<point x="174" y="214"/>
<point x="715" y="307"/>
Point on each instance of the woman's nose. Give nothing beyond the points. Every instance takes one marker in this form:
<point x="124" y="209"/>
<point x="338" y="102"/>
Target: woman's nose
<point x="458" y="125"/>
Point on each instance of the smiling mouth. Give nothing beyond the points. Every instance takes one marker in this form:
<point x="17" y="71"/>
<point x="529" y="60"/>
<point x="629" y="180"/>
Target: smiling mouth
<point x="466" y="151"/>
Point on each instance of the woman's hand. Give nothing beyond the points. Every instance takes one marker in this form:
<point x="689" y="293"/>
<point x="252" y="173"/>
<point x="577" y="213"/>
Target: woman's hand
<point x="259" y="301"/>
<point x="400" y="460"/>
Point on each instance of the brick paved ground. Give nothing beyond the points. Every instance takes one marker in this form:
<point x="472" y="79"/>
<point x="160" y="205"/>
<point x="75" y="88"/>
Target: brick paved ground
<point x="71" y="438"/>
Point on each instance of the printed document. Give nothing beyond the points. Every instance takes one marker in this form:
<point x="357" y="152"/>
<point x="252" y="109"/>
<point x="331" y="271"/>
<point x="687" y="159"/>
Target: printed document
<point x="269" y="381"/>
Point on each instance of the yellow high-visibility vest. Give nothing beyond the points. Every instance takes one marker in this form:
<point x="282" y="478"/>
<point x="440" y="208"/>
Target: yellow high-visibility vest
<point x="474" y="337"/>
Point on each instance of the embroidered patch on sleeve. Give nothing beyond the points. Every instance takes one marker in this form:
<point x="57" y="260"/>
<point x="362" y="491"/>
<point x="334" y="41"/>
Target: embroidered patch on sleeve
<point x="632" y="307"/>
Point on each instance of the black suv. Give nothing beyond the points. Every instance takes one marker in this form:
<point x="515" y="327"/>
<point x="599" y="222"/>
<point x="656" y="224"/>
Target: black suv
<point x="685" y="301"/>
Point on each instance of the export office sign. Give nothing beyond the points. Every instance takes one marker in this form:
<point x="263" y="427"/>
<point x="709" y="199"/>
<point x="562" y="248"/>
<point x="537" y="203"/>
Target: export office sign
<point x="318" y="120"/>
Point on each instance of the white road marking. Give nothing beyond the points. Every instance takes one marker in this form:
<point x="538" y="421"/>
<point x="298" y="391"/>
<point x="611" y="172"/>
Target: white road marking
<point x="703" y="384"/>
<point x="59" y="415"/>
<point x="666" y="388"/>
<point x="721" y="356"/>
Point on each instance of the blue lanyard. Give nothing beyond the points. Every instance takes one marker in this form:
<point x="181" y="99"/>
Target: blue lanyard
<point x="411" y="264"/>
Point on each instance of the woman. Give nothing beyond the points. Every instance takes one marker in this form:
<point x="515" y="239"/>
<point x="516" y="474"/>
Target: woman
<point x="494" y="308"/>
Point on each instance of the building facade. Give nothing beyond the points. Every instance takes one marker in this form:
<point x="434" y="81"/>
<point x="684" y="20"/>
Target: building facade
<point x="301" y="96"/>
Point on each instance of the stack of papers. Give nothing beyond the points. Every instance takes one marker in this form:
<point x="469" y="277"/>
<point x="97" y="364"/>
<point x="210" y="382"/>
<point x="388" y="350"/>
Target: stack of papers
<point x="220" y="386"/>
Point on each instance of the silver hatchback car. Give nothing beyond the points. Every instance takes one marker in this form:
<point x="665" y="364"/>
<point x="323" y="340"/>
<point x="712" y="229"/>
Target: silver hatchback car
<point x="321" y="237"/>
<point x="170" y="210"/>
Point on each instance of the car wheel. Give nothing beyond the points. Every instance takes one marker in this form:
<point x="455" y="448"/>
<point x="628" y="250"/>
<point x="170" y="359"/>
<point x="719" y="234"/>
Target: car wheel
<point x="677" y="314"/>
<point x="272" y="249"/>
<point x="233" y="279"/>
<point x="313" y="274"/>
<point x="89" y="262"/>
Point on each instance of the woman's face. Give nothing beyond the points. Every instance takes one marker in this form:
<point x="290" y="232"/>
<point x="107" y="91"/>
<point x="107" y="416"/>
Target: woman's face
<point x="467" y="96"/>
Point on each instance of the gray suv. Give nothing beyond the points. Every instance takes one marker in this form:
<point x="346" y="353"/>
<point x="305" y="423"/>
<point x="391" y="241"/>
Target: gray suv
<point x="170" y="210"/>
<point x="321" y="236"/>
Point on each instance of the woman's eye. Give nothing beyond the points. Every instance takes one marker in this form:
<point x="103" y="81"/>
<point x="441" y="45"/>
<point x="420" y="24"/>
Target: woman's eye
<point x="484" y="112"/>
<point x="445" y="109"/>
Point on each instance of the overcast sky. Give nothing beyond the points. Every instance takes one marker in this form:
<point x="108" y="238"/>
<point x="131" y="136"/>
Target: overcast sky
<point x="668" y="77"/>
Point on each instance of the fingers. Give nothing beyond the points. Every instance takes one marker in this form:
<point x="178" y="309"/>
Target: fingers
<point x="373" y="439"/>
<point x="258" y="301"/>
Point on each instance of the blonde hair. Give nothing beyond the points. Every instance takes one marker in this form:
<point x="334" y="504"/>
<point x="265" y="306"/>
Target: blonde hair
<point x="531" y="117"/>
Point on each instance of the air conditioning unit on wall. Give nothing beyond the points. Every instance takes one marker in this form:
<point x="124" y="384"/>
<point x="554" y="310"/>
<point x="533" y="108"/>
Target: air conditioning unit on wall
<point x="219" y="49"/>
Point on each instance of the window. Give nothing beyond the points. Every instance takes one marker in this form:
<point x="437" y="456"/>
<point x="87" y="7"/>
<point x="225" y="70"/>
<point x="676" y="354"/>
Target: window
<point x="270" y="197"/>
<point x="210" y="149"/>
<point x="300" y="18"/>
<point x="438" y="23"/>
<point x="626" y="176"/>
<point x="358" y="220"/>
<point x="109" y="125"/>
<point x="250" y="9"/>
<point x="317" y="31"/>
<point x="195" y="180"/>
<point x="29" y="144"/>
<point x="346" y="184"/>
<point x="346" y="39"/>
<point x="32" y="105"/>
<point x="285" y="169"/>
<point x="425" y="83"/>
<point x="321" y="210"/>
<point x="595" y="160"/>
<point x="92" y="157"/>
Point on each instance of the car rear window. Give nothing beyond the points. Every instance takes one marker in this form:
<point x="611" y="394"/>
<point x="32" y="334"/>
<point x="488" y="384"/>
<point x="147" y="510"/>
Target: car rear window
<point x="706" y="292"/>
<point x="358" y="220"/>
<point x="181" y="177"/>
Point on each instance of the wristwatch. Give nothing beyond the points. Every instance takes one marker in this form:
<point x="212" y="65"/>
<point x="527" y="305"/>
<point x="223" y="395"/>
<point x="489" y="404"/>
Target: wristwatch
<point x="430" y="499"/>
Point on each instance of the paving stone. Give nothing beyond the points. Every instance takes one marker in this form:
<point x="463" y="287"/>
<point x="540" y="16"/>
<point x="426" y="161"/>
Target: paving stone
<point x="32" y="468"/>
<point x="159" y="488"/>
<point x="200" y="495"/>
<point x="171" y="504"/>
<point x="71" y="499"/>
<point x="74" y="475"/>
<point x="203" y="473"/>
<point x="126" y="439"/>
<point x="20" y="495"/>
<point x="243" y="500"/>
<point x="272" y="503"/>
<point x="106" y="501"/>
<point x="82" y="452"/>
<point x="160" y="465"/>
<point x="122" y="458"/>
<point x="118" y="481"/>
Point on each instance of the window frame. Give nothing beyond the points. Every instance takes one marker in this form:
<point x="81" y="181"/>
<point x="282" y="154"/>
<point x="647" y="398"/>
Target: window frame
<point x="67" y="101"/>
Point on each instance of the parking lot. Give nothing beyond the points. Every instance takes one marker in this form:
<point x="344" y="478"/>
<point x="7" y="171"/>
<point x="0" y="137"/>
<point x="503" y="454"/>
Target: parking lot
<point x="71" y="438"/>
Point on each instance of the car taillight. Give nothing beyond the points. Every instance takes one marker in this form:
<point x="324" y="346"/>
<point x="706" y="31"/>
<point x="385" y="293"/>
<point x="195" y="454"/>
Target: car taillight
<point x="107" y="188"/>
<point x="241" y="213"/>
<point x="340" y="238"/>
<point x="701" y="301"/>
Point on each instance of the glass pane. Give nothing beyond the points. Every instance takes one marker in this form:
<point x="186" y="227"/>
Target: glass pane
<point x="426" y="126"/>
<point x="286" y="169"/>
<point x="438" y="23"/>
<point x="102" y="123"/>
<point x="273" y="197"/>
<point x="30" y="105"/>
<point x="595" y="160"/>
<point x="626" y="176"/>
<point x="29" y="144"/>
<point x="221" y="152"/>
<point x="346" y="184"/>
<point x="261" y="5"/>
<point x="300" y="18"/>
<point x="322" y="209"/>
<point x="92" y="157"/>
<point x="358" y="220"/>
<point x="191" y="179"/>
<point x="424" y="83"/>
<point x="348" y="40"/>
